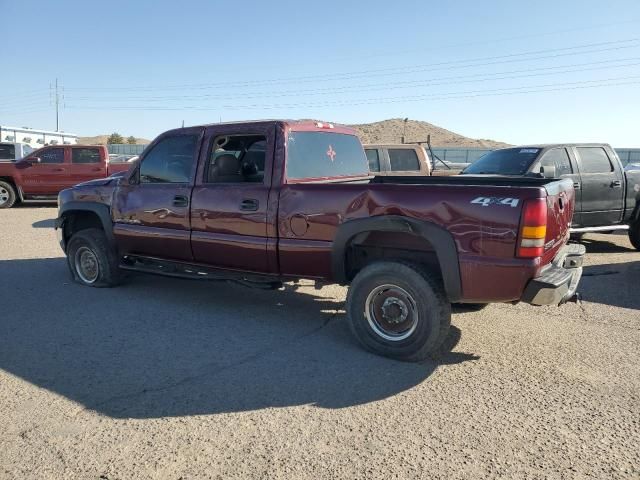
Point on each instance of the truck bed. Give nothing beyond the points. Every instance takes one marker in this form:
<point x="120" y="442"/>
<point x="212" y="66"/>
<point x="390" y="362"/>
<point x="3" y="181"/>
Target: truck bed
<point x="469" y="180"/>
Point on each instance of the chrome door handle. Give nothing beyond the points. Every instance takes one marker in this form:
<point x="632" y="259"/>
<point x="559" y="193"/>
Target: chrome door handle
<point x="249" y="205"/>
<point x="180" y="201"/>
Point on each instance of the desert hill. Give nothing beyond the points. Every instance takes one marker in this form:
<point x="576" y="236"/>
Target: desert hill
<point x="102" y="140"/>
<point x="385" y="131"/>
<point x="390" y="131"/>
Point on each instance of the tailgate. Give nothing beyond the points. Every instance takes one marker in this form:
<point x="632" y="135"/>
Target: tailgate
<point x="560" y="205"/>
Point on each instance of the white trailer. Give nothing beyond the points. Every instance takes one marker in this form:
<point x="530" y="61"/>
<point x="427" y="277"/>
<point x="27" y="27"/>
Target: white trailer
<point x="35" y="138"/>
<point x="11" y="151"/>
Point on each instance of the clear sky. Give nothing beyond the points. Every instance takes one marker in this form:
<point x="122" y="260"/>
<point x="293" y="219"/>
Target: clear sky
<point x="520" y="72"/>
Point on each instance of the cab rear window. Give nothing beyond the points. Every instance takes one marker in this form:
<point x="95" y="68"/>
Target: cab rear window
<point x="317" y="155"/>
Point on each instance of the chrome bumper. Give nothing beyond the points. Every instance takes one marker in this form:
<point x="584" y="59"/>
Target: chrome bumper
<point x="559" y="281"/>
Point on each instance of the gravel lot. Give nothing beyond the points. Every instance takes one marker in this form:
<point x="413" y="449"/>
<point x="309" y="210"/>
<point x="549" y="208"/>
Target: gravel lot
<point x="164" y="378"/>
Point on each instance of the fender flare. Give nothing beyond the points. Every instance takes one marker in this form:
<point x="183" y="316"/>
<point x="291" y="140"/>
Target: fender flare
<point x="100" y="209"/>
<point x="441" y="239"/>
<point x="635" y="216"/>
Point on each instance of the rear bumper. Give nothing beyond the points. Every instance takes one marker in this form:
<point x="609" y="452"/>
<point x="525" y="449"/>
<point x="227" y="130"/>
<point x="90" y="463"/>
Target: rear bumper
<point x="558" y="282"/>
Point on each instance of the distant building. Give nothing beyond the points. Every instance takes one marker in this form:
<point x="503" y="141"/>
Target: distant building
<point x="36" y="138"/>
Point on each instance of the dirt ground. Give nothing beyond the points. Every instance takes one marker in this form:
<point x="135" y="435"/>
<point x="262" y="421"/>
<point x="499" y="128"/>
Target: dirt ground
<point x="166" y="378"/>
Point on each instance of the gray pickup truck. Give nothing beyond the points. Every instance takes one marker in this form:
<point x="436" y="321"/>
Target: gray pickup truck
<point x="607" y="195"/>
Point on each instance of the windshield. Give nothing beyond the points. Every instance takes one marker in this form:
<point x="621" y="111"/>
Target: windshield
<point x="325" y="155"/>
<point x="508" y="161"/>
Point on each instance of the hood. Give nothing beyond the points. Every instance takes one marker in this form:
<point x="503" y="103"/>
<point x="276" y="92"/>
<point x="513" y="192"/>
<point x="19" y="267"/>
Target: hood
<point x="101" y="182"/>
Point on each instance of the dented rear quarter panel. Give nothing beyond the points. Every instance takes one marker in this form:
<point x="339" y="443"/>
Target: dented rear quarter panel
<point x="485" y="236"/>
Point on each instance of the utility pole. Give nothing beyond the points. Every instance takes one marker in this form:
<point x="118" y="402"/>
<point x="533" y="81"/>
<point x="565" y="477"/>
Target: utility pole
<point x="56" y="100"/>
<point x="404" y="129"/>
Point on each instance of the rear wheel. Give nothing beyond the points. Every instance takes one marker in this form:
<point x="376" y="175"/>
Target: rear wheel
<point x="7" y="195"/>
<point x="91" y="260"/>
<point x="634" y="234"/>
<point x="398" y="310"/>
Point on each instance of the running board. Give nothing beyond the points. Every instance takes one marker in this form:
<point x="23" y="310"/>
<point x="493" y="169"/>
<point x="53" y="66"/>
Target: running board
<point x="40" y="200"/>
<point x="37" y="198"/>
<point x="168" y="268"/>
<point x="599" y="229"/>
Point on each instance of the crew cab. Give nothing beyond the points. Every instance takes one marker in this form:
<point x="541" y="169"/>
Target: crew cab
<point x="45" y="172"/>
<point x="607" y="195"/>
<point x="266" y="202"/>
<point x="405" y="159"/>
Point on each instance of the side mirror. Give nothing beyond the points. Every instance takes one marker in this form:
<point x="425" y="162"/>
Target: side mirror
<point x="134" y="175"/>
<point x="27" y="162"/>
<point x="548" y="171"/>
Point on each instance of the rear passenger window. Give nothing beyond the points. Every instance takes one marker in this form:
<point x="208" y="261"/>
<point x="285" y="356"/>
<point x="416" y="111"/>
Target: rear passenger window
<point x="401" y="159"/>
<point x="85" y="155"/>
<point x="559" y="158"/>
<point x="52" y="155"/>
<point x="374" y="159"/>
<point x="237" y="159"/>
<point x="594" y="160"/>
<point x="170" y="160"/>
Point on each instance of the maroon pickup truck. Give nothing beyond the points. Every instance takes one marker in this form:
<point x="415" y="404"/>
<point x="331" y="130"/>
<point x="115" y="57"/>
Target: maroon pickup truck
<point x="45" y="172"/>
<point x="266" y="202"/>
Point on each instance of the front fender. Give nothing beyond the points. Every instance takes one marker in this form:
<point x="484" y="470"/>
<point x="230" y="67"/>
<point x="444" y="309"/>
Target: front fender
<point x="101" y="210"/>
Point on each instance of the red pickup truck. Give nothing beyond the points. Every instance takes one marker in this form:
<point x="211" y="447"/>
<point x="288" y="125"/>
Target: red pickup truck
<point x="45" y="172"/>
<point x="265" y="202"/>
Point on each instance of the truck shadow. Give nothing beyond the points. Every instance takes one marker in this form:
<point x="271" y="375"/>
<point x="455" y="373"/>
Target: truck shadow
<point x="606" y="243"/>
<point x="615" y="284"/>
<point x="159" y="347"/>
<point x="49" y="223"/>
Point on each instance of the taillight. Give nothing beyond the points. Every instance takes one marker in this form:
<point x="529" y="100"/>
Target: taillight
<point x="533" y="229"/>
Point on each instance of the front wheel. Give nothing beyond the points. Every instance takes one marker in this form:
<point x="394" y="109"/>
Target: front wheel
<point x="92" y="261"/>
<point x="634" y="234"/>
<point x="7" y="195"/>
<point x="398" y="310"/>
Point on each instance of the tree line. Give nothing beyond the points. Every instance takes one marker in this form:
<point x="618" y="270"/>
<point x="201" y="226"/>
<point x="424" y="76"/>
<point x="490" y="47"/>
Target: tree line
<point x="117" y="138"/>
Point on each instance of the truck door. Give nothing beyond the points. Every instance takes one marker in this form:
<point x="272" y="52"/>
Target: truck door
<point x="232" y="220"/>
<point x="601" y="185"/>
<point x="46" y="177"/>
<point x="151" y="210"/>
<point x="565" y="168"/>
<point x="86" y="164"/>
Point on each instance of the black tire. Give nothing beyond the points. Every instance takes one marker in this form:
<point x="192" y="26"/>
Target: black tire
<point x="469" y="307"/>
<point x="8" y="195"/>
<point x="634" y="234"/>
<point x="426" y="309"/>
<point x="576" y="237"/>
<point x="89" y="248"/>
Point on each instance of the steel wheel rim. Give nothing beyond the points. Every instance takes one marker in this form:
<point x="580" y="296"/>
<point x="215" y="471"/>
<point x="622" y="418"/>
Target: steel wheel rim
<point x="391" y="312"/>
<point x="4" y="195"/>
<point x="86" y="264"/>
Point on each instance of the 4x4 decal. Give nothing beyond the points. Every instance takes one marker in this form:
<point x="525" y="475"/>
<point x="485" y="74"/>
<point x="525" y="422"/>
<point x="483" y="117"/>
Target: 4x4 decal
<point x="486" y="201"/>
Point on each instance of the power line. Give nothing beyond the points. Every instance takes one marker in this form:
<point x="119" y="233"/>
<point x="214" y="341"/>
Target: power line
<point x="397" y="52"/>
<point x="466" y="63"/>
<point x="508" y="75"/>
<point x="614" y="81"/>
